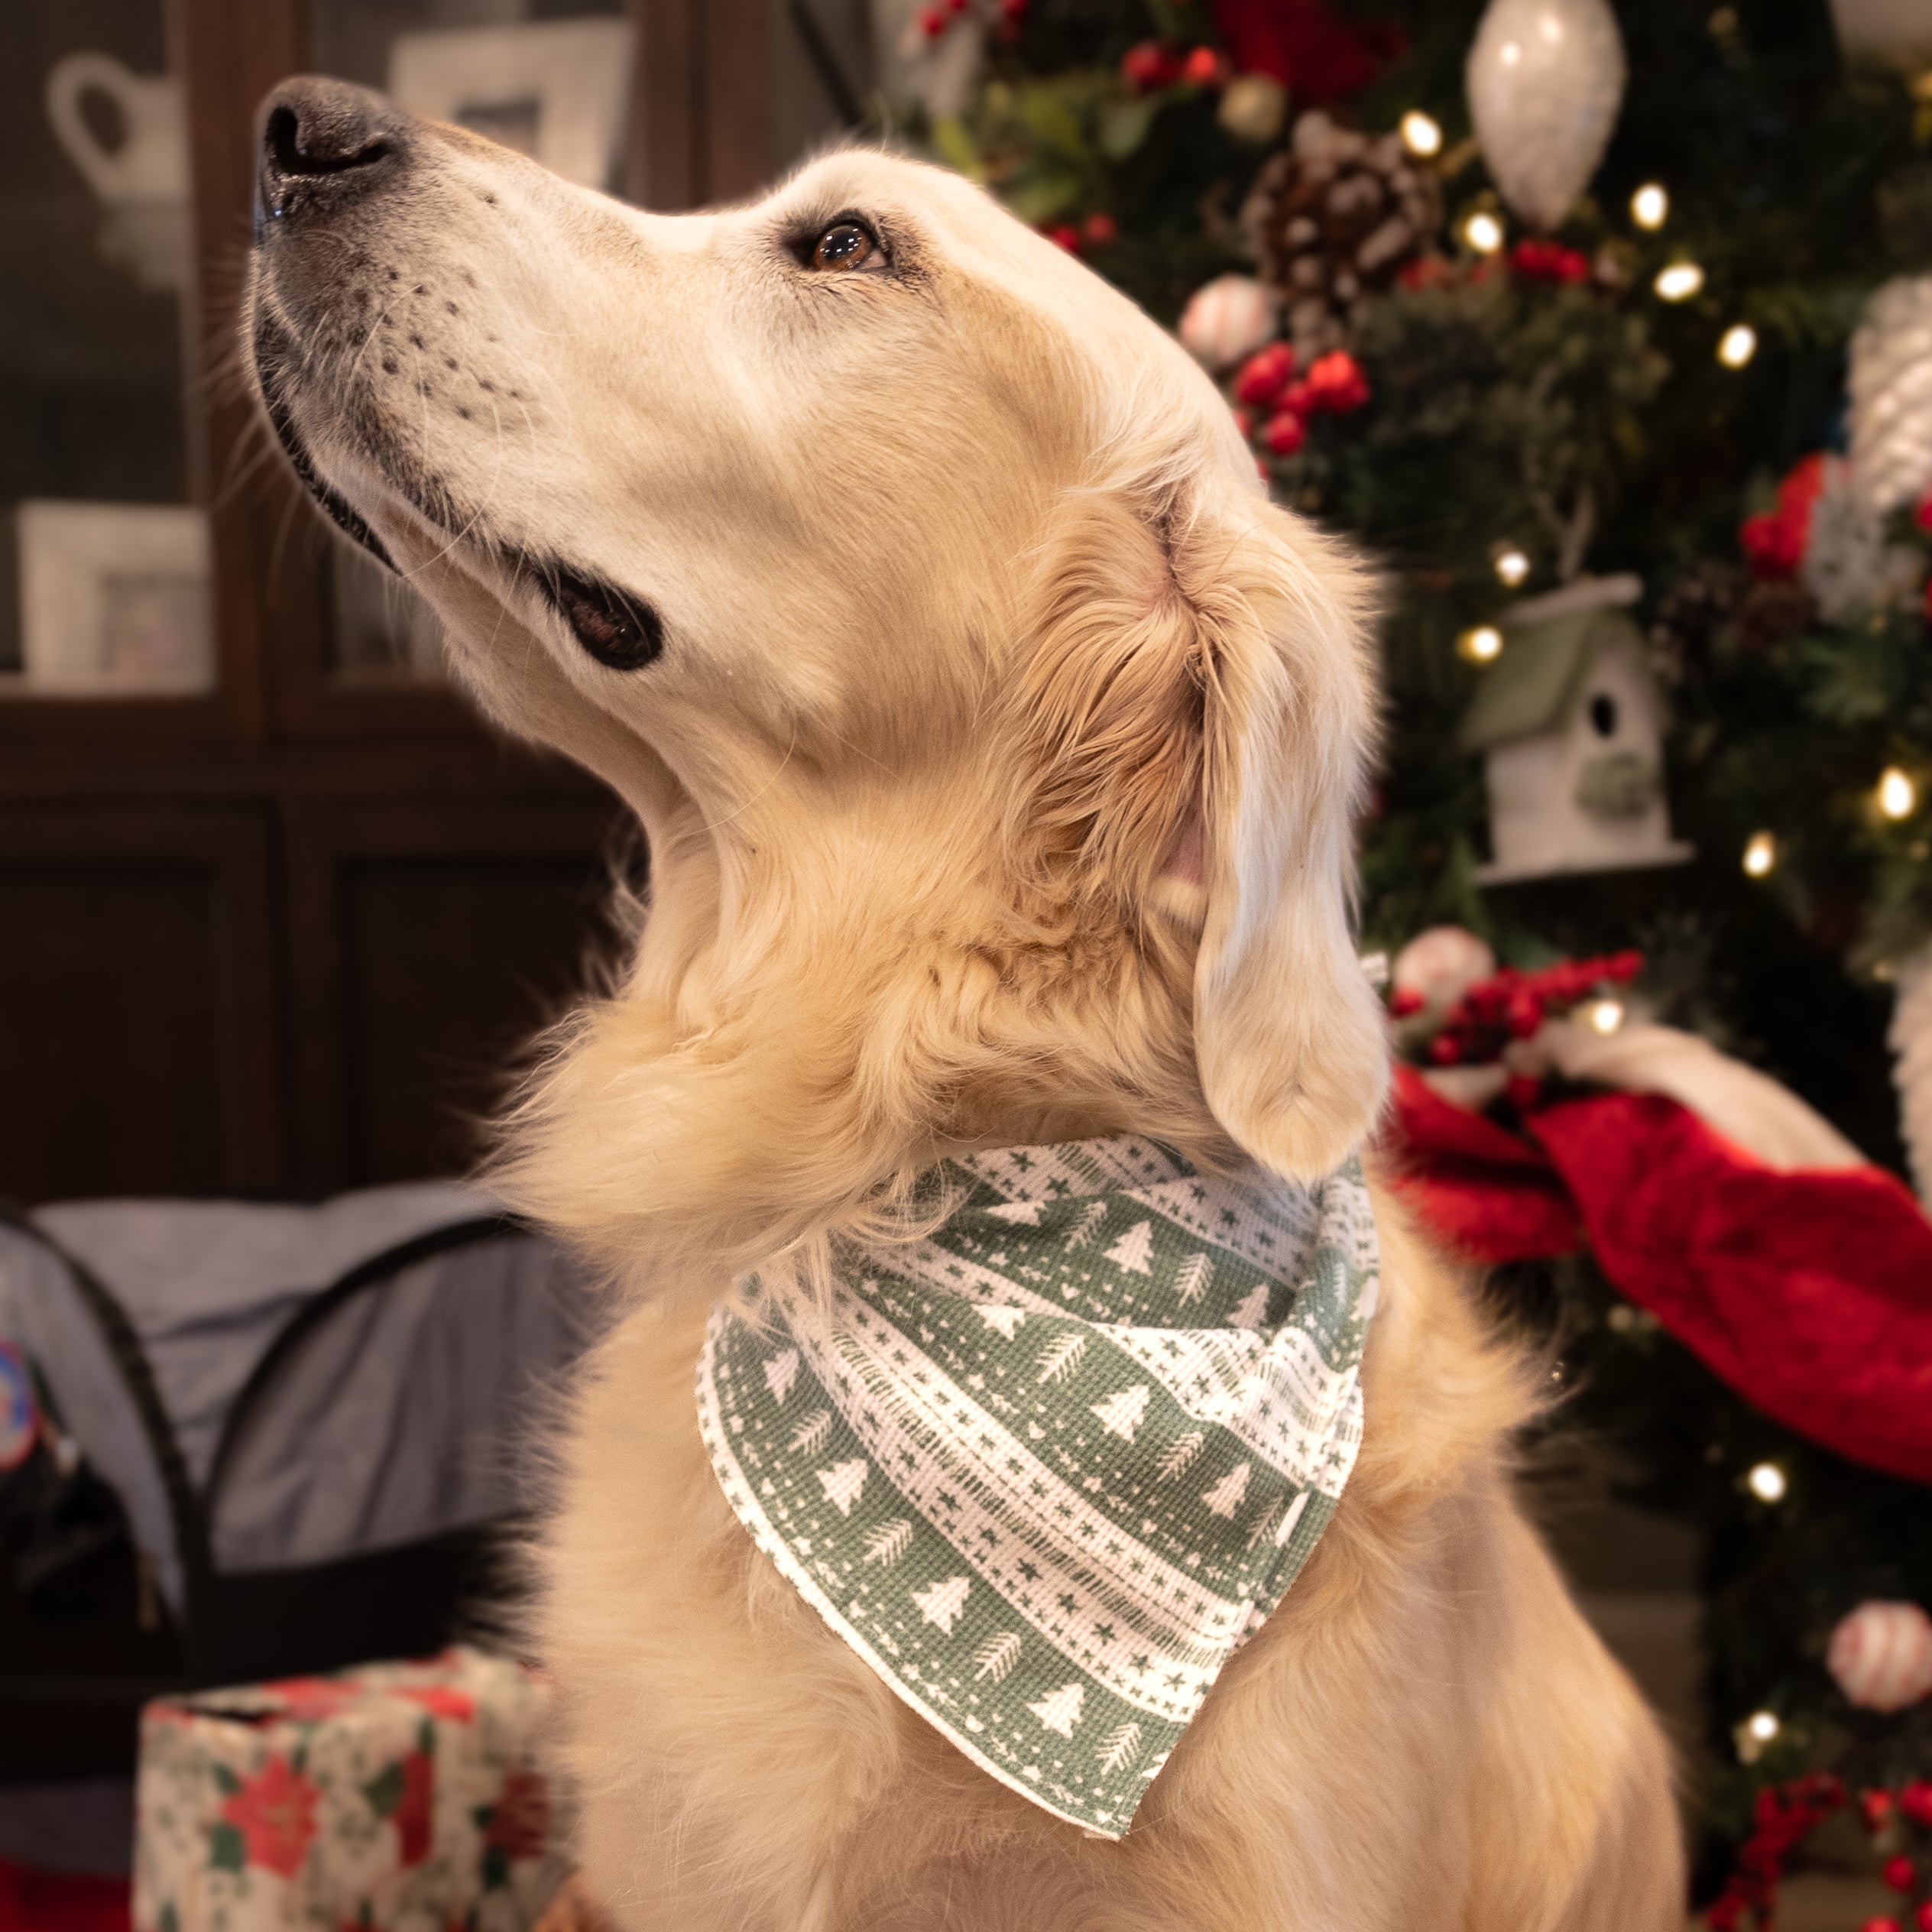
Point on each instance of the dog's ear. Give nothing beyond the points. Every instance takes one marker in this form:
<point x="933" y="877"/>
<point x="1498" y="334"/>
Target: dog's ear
<point x="1200" y="711"/>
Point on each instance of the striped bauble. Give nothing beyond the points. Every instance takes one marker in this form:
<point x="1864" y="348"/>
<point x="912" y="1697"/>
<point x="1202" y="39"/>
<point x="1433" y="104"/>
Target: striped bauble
<point x="1881" y="1655"/>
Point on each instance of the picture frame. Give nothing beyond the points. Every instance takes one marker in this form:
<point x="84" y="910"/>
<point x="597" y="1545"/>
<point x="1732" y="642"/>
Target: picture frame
<point x="559" y="90"/>
<point x="115" y="600"/>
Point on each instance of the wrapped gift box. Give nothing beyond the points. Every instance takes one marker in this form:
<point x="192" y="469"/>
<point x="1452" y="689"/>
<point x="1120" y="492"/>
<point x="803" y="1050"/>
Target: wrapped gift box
<point x="396" y="1797"/>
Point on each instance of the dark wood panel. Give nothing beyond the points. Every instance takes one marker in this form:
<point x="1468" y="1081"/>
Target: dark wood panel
<point x="451" y="969"/>
<point x="665" y="167"/>
<point x="703" y="85"/>
<point x="137" y="1030"/>
<point x="429" y="944"/>
<point x="738" y="98"/>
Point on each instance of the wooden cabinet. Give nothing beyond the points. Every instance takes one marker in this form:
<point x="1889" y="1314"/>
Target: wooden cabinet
<point x="278" y="915"/>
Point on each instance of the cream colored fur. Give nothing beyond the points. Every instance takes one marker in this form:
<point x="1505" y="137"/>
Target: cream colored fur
<point x="998" y="773"/>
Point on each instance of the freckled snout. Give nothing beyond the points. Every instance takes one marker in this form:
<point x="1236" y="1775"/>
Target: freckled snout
<point x="325" y="144"/>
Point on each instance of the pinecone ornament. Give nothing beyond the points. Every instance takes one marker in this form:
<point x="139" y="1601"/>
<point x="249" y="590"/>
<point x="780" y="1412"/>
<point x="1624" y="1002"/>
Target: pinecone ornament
<point x="1693" y="611"/>
<point x="1776" y="609"/>
<point x="1333" y="217"/>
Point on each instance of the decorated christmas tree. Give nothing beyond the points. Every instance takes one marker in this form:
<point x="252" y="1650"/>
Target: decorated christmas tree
<point x="1605" y="327"/>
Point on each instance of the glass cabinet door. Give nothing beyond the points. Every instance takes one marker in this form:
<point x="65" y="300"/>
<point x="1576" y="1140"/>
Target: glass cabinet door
<point x="105" y="589"/>
<point x="550" y="78"/>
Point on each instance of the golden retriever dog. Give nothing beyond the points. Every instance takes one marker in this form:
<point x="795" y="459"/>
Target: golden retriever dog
<point x="997" y="742"/>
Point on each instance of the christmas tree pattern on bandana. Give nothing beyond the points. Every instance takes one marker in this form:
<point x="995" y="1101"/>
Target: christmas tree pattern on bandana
<point x="1046" y="1469"/>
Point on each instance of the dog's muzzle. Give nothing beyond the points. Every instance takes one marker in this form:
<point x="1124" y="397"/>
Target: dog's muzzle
<point x="325" y="145"/>
<point x="325" y="148"/>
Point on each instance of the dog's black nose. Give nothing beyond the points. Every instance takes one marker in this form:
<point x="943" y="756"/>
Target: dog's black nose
<point x="324" y="143"/>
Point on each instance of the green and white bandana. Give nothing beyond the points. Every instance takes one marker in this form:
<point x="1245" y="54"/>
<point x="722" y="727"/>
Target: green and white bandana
<point x="1051" y="1466"/>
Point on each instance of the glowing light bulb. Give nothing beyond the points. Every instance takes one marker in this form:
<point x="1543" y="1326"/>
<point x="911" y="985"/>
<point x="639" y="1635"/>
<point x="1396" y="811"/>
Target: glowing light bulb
<point x="1766" y="1482"/>
<point x="1421" y="134"/>
<point x="1483" y="233"/>
<point x="1680" y="281"/>
<point x="1511" y="566"/>
<point x="1737" y="345"/>
<point x="1898" y="795"/>
<point x="1605" y="1015"/>
<point x="1763" y="1725"/>
<point x="1482" y="645"/>
<point x="1760" y="855"/>
<point x="1650" y="206"/>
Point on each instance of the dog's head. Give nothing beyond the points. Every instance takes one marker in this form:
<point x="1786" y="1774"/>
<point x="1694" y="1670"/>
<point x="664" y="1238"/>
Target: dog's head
<point x="997" y="740"/>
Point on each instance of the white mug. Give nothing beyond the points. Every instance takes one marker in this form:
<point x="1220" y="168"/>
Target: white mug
<point x="150" y="163"/>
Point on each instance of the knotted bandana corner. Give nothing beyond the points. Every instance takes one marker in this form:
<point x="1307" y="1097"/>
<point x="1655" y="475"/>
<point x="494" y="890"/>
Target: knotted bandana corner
<point x="1046" y="1469"/>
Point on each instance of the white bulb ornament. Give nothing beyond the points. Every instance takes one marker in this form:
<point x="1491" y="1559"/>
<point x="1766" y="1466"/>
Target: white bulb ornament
<point x="1226" y="320"/>
<point x="1891" y="395"/>
<point x="1545" y="79"/>
<point x="1439" y="966"/>
<point x="1881" y="1655"/>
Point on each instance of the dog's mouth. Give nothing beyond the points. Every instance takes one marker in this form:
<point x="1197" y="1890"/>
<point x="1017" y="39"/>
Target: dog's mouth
<point x="621" y="632"/>
<point x="271" y="353"/>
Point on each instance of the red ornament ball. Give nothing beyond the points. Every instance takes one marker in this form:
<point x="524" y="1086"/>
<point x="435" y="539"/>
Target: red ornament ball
<point x="1264" y="375"/>
<point x="1336" y="382"/>
<point x="1147" y="65"/>
<point x="1100" y="230"/>
<point x="1064" y="234"/>
<point x="1899" y="1873"/>
<point x="1922" y="516"/>
<point x="1876" y="1807"/>
<point x="1773" y="546"/>
<point x="1204" y="68"/>
<point x="1915" y="1800"/>
<point x="1286" y="432"/>
<point x="1881" y="1925"/>
<point x="1922" y="1918"/>
<point x="1538" y="260"/>
<point x="932" y="22"/>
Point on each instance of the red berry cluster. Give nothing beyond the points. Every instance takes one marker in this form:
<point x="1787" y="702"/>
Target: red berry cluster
<point x="1537" y="260"/>
<point x="1511" y="1005"/>
<point x="1149" y="66"/>
<point x="1785" y="1816"/>
<point x="1901" y="1871"/>
<point x="1098" y="231"/>
<point x="1266" y="384"/>
<point x="1774" y="542"/>
<point x="1008" y="14"/>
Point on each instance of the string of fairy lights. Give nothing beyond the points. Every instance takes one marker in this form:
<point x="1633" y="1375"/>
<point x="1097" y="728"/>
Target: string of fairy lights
<point x="1895" y="796"/>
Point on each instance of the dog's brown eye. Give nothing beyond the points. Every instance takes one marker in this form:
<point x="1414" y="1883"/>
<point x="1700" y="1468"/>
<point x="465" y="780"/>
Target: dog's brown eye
<point x="843" y="245"/>
<point x="617" y="630"/>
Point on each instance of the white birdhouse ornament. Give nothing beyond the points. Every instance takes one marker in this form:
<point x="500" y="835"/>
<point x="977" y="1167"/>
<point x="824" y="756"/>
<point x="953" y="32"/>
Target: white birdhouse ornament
<point x="1571" y="723"/>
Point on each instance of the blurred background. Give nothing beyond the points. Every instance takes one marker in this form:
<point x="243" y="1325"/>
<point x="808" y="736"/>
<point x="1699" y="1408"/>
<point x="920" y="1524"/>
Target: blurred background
<point x="1605" y="324"/>
<point x="277" y="903"/>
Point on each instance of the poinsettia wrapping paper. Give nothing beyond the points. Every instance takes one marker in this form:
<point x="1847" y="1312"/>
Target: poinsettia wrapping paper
<point x="396" y="1797"/>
